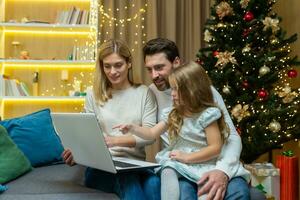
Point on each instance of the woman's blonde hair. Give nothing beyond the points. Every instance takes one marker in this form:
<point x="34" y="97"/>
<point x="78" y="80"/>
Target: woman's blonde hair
<point x="102" y="86"/>
<point x="195" y="95"/>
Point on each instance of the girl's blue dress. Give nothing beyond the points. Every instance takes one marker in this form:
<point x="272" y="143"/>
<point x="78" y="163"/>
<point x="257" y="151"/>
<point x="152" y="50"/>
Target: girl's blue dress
<point x="192" y="138"/>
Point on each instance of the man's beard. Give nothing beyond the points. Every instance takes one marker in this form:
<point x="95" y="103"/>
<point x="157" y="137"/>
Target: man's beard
<point x="164" y="86"/>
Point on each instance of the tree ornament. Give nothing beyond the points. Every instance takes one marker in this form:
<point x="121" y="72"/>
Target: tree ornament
<point x="246" y="32"/>
<point x="287" y="94"/>
<point x="224" y="58"/>
<point x="223" y="9"/>
<point x="271" y="58"/>
<point x="262" y="94"/>
<point x="207" y="36"/>
<point x="239" y="130"/>
<point x="240" y="112"/>
<point x="248" y="16"/>
<point x="215" y="53"/>
<point x="247" y="48"/>
<point x="271" y="23"/>
<point x="292" y="73"/>
<point x="220" y="25"/>
<point x="274" y="126"/>
<point x="200" y="62"/>
<point x="244" y="3"/>
<point x="245" y="84"/>
<point x="274" y="41"/>
<point x="226" y="89"/>
<point x="264" y="70"/>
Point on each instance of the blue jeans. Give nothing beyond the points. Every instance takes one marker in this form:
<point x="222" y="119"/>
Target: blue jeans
<point x="237" y="189"/>
<point x="188" y="189"/>
<point x="137" y="185"/>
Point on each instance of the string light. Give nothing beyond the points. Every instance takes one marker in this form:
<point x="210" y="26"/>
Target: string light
<point x="109" y="20"/>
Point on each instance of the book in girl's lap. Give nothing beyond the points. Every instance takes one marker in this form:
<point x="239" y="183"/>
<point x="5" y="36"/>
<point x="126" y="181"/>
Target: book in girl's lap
<point x="195" y="126"/>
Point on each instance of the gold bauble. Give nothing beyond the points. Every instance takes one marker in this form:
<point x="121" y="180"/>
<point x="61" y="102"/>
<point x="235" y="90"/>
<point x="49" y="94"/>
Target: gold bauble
<point x="274" y="126"/>
<point x="264" y="70"/>
<point x="226" y="89"/>
<point x="274" y="41"/>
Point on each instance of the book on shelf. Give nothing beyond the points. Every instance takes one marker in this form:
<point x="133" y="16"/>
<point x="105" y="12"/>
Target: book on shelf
<point x="12" y="87"/>
<point x="72" y="16"/>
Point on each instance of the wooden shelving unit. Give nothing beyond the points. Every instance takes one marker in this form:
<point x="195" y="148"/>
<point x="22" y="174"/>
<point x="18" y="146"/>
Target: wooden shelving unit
<point x="61" y="54"/>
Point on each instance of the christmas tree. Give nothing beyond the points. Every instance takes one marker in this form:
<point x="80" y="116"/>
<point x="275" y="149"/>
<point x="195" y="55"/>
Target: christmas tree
<point x="247" y="56"/>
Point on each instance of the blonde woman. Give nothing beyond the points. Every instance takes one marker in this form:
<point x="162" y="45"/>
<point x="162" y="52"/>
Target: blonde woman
<point x="116" y="99"/>
<point x="196" y="129"/>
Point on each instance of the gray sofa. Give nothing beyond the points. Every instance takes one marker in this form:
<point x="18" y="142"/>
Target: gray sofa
<point x="61" y="182"/>
<point x="55" y="182"/>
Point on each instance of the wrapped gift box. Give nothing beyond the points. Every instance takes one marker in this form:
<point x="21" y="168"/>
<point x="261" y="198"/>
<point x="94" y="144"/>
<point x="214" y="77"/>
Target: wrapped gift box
<point x="288" y="165"/>
<point x="266" y="175"/>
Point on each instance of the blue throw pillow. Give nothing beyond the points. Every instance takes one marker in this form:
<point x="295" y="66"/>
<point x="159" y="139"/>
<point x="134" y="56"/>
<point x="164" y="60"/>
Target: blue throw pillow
<point x="34" y="134"/>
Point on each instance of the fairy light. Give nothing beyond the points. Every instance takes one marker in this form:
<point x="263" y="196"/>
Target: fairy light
<point x="108" y="21"/>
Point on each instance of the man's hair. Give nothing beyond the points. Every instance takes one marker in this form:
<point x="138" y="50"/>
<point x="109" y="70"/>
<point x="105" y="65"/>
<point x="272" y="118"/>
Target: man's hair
<point x="161" y="45"/>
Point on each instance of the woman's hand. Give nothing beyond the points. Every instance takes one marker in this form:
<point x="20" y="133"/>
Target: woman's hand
<point x="110" y="141"/>
<point x="120" y="141"/>
<point x="179" y="156"/>
<point x="68" y="157"/>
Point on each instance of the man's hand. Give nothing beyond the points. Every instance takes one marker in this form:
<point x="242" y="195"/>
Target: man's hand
<point x="214" y="184"/>
<point x="68" y="157"/>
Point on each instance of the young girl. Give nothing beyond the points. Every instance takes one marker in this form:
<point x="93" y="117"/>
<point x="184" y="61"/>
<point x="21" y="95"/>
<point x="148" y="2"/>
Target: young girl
<point x="196" y="129"/>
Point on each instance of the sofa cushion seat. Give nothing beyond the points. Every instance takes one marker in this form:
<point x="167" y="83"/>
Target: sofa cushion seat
<point x="53" y="182"/>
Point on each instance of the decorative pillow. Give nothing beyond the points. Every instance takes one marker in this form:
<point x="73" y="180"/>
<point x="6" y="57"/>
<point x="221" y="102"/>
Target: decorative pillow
<point x="13" y="162"/>
<point x="34" y="134"/>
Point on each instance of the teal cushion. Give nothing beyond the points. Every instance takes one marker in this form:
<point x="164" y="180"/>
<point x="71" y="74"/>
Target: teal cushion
<point x="34" y="134"/>
<point x="13" y="162"/>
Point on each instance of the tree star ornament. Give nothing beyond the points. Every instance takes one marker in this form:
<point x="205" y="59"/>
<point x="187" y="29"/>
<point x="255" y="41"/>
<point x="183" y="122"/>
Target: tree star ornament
<point x="274" y="126"/>
<point x="264" y="70"/>
<point x="271" y="23"/>
<point x="224" y="58"/>
<point x="223" y="9"/>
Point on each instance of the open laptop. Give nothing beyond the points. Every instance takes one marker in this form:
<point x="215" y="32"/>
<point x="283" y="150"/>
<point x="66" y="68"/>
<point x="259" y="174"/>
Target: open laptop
<point x="81" y="133"/>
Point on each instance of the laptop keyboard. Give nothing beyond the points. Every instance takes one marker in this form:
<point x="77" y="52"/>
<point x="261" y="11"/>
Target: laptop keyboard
<point x="123" y="164"/>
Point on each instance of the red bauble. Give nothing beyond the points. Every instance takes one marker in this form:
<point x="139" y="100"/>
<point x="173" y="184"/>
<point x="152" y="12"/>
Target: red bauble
<point x="215" y="53"/>
<point x="292" y="73"/>
<point x="200" y="62"/>
<point x="245" y="84"/>
<point x="238" y="129"/>
<point x="248" y="16"/>
<point x="246" y="32"/>
<point x="262" y="94"/>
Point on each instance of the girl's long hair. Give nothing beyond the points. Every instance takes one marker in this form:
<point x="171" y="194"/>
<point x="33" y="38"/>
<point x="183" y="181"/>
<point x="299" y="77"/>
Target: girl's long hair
<point x="102" y="87"/>
<point x="195" y="95"/>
